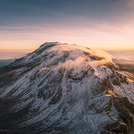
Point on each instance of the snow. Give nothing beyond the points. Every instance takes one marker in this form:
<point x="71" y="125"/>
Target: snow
<point x="82" y="101"/>
<point x="125" y="90"/>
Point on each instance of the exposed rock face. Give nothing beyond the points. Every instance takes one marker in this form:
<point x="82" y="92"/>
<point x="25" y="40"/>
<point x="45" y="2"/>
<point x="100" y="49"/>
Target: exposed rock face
<point x="61" y="88"/>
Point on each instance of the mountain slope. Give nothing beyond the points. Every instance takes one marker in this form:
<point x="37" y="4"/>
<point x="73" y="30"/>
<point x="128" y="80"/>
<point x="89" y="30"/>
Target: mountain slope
<point x="5" y="62"/>
<point x="61" y="88"/>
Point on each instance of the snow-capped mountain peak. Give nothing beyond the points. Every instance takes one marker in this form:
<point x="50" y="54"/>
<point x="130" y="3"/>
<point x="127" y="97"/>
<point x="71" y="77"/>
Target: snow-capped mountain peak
<point x="62" y="88"/>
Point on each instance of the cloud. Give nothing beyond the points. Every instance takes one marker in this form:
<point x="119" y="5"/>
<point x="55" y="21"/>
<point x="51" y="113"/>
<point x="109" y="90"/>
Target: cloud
<point x="102" y="53"/>
<point x="130" y="3"/>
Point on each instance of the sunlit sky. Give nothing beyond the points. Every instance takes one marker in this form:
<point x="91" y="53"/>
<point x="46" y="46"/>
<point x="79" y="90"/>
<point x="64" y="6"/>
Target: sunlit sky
<point x="105" y="24"/>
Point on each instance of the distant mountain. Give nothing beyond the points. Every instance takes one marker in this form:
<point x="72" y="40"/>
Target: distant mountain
<point x="5" y="62"/>
<point x="126" y="68"/>
<point x="65" y="89"/>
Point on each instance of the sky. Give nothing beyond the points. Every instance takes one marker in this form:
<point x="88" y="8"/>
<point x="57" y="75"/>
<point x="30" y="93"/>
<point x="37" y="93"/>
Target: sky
<point x="99" y="24"/>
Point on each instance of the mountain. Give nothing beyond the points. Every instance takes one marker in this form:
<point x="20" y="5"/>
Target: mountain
<point x="5" y="62"/>
<point x="65" y="89"/>
<point x="126" y="68"/>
